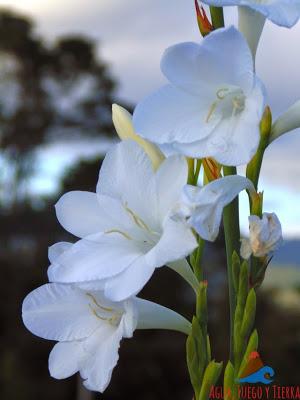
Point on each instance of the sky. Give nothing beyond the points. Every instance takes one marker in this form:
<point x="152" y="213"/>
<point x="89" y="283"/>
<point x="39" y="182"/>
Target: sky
<point x="132" y="36"/>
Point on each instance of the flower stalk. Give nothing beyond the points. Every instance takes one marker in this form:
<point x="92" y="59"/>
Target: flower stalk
<point x="232" y="242"/>
<point x="254" y="167"/>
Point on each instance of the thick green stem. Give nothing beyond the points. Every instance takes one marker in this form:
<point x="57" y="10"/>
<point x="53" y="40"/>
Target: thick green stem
<point x="217" y="17"/>
<point x="232" y="241"/>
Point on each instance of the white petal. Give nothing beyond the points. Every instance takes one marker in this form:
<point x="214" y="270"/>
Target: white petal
<point x="125" y="168"/>
<point x="102" y="348"/>
<point x="130" y="282"/>
<point x="95" y="258"/>
<point x="176" y="243"/>
<point x="235" y="140"/>
<point x="182" y="267"/>
<point x="223" y="57"/>
<point x="130" y="318"/>
<point x="182" y="66"/>
<point x="246" y="249"/>
<point x="65" y="359"/>
<point x="169" y="181"/>
<point x="58" y="312"/>
<point x="171" y="114"/>
<point x="57" y="249"/>
<point x="207" y="203"/>
<point x="155" y="316"/>
<point x="281" y="12"/>
<point x="79" y="213"/>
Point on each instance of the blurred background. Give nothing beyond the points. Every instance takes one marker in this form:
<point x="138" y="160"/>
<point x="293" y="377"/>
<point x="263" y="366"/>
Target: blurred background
<point x="62" y="65"/>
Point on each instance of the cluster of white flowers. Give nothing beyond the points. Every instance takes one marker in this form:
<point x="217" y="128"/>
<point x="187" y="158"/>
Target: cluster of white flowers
<point x="144" y="215"/>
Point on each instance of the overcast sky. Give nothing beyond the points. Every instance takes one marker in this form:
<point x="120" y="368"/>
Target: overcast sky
<point x="133" y="34"/>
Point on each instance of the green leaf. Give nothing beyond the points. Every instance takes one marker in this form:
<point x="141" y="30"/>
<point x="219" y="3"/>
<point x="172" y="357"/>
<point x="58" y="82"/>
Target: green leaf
<point x="249" y="314"/>
<point x="229" y="381"/>
<point x="211" y="376"/>
<point x="252" y="346"/>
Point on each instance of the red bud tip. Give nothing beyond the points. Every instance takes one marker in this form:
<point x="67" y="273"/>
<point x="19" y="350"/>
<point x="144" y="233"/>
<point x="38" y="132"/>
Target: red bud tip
<point x="203" y="22"/>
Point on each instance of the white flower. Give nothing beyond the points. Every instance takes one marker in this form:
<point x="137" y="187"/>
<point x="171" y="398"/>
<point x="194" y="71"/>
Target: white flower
<point x="265" y="236"/>
<point x="288" y="121"/>
<point x="122" y="120"/>
<point x="281" y="12"/>
<point x="89" y="329"/>
<point x="213" y="104"/>
<point x="124" y="228"/>
<point x="202" y="207"/>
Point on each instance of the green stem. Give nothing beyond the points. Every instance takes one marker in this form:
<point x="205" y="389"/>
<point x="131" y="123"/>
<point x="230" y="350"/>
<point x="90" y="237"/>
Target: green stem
<point x="198" y="270"/>
<point x="232" y="241"/>
<point x="217" y="17"/>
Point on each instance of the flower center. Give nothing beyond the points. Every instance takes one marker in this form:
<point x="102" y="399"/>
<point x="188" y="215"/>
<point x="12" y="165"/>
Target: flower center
<point x="147" y="235"/>
<point x="110" y="315"/>
<point x="230" y="101"/>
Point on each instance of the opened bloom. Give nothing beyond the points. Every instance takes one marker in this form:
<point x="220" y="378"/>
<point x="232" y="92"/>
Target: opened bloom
<point x="89" y="329"/>
<point x="213" y="104"/>
<point x="124" y="229"/>
<point x="202" y="207"/>
<point x="265" y="235"/>
<point x="122" y="120"/>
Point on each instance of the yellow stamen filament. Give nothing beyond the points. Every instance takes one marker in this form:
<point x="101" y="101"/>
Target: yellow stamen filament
<point x="96" y="315"/>
<point x="99" y="305"/>
<point x="211" y="111"/>
<point x="120" y="232"/>
<point x="139" y="222"/>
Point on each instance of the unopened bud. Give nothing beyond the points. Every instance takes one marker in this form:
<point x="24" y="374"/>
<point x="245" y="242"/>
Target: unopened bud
<point x="122" y="120"/>
<point x="204" y="24"/>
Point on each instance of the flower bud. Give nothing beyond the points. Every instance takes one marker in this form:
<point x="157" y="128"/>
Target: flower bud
<point x="204" y="24"/>
<point x="122" y="120"/>
<point x="265" y="236"/>
<point x="288" y="121"/>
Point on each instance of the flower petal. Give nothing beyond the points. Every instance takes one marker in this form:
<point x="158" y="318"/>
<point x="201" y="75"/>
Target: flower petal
<point x="282" y="12"/>
<point x="79" y="213"/>
<point x="176" y="243"/>
<point x="65" y="359"/>
<point x="102" y="348"/>
<point x="171" y="114"/>
<point x="125" y="168"/>
<point x="169" y="181"/>
<point x="235" y="140"/>
<point x="95" y="258"/>
<point x="58" y="312"/>
<point x="223" y="57"/>
<point x="130" y="282"/>
<point x="207" y="203"/>
<point x="57" y="249"/>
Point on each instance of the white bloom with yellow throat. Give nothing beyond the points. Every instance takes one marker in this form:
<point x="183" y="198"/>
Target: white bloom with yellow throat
<point x="89" y="328"/>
